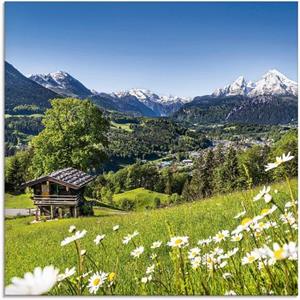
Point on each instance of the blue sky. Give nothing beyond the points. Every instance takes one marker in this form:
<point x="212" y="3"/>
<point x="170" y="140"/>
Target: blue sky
<point x="184" y="49"/>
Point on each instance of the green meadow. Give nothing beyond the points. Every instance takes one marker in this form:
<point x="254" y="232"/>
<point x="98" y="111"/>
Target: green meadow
<point x="141" y="198"/>
<point x="28" y="246"/>
<point x="18" y="201"/>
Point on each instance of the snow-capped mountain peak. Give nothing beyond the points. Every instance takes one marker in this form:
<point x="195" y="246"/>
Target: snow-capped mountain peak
<point x="239" y="87"/>
<point x="272" y="83"/>
<point x="145" y="95"/>
<point x="62" y="83"/>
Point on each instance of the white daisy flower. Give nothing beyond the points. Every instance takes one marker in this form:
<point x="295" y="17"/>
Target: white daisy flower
<point x="96" y="281"/>
<point x="287" y="218"/>
<point x="279" y="161"/>
<point x="221" y="236"/>
<point x="137" y="252"/>
<point x="116" y="227"/>
<point x="39" y="282"/>
<point x="195" y="262"/>
<point x="236" y="237"/>
<point x="232" y="252"/>
<point x="146" y="279"/>
<point x="156" y="244"/>
<point x="268" y="211"/>
<point x="288" y="204"/>
<point x="193" y="252"/>
<point x="129" y="237"/>
<point x="99" y="238"/>
<point x="230" y="293"/>
<point x="153" y="256"/>
<point x="135" y="234"/>
<point x="226" y="275"/>
<point x="292" y="250"/>
<point x="264" y="193"/>
<point x="78" y="235"/>
<point x="179" y="241"/>
<point x="205" y="241"/>
<point x="72" y="228"/>
<point x="250" y="258"/>
<point x="223" y="264"/>
<point x="150" y="269"/>
<point x="278" y="252"/>
<point x="217" y="251"/>
<point x="68" y="272"/>
<point x="241" y="214"/>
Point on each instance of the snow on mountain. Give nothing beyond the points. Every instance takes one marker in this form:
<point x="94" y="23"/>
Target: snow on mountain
<point x="161" y="105"/>
<point x="145" y="95"/>
<point x="62" y="83"/>
<point x="272" y="83"/>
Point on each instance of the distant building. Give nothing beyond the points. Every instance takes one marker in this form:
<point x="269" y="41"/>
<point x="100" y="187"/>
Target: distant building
<point x="187" y="161"/>
<point x="164" y="164"/>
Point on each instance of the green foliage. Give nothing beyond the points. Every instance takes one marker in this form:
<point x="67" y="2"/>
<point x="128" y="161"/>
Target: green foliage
<point x="16" y="170"/>
<point x="74" y="136"/>
<point x="86" y="209"/>
<point x="140" y="199"/>
<point x="19" y="131"/>
<point x="18" y="201"/>
<point x="201" y="185"/>
<point x="252" y="164"/>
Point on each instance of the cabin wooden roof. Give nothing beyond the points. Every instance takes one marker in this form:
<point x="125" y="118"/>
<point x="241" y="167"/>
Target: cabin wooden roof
<point x="70" y="177"/>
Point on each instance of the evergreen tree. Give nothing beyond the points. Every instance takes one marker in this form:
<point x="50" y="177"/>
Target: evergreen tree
<point x="230" y="171"/>
<point x="202" y="184"/>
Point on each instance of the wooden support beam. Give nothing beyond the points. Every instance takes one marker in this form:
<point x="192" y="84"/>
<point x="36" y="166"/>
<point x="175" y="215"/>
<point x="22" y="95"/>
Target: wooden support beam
<point x="51" y="207"/>
<point x="75" y="212"/>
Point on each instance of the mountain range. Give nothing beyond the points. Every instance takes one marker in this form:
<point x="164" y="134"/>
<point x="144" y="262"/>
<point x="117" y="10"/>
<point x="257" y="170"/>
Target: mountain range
<point x="272" y="99"/>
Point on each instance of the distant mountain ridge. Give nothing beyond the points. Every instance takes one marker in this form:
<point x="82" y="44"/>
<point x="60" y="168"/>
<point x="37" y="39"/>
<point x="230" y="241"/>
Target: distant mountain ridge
<point x="272" y="83"/>
<point x="62" y="83"/>
<point x="135" y="101"/>
<point x="273" y="99"/>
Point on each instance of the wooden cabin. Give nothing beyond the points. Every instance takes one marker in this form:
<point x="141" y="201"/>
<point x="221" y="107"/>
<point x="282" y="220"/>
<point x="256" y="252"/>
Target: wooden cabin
<point x="59" y="193"/>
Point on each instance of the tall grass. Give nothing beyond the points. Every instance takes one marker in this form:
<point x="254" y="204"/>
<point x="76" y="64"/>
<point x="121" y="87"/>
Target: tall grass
<point x="197" y="255"/>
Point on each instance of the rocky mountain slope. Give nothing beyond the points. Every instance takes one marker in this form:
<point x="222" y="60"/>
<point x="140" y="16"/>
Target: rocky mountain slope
<point x="19" y="90"/>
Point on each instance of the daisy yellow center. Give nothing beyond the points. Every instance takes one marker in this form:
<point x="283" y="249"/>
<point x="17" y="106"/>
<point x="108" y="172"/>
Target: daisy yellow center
<point x="96" y="281"/>
<point x="178" y="241"/>
<point x="264" y="211"/>
<point x="246" y="221"/>
<point x="279" y="253"/>
<point x="220" y="235"/>
<point x="111" y="276"/>
<point x="251" y="259"/>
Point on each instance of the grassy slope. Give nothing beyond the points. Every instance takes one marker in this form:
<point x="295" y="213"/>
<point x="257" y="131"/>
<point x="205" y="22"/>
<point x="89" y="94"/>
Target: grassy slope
<point x="18" y="201"/>
<point x="142" y="197"/>
<point x="28" y="246"/>
<point x="125" y="126"/>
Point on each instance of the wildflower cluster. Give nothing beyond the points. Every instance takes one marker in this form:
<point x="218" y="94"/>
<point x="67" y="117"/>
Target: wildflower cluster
<point x="256" y="256"/>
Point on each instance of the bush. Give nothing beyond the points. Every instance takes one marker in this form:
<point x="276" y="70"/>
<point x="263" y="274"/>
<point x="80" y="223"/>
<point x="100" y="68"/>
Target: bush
<point x="127" y="204"/>
<point x="86" y="209"/>
<point x="157" y="202"/>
